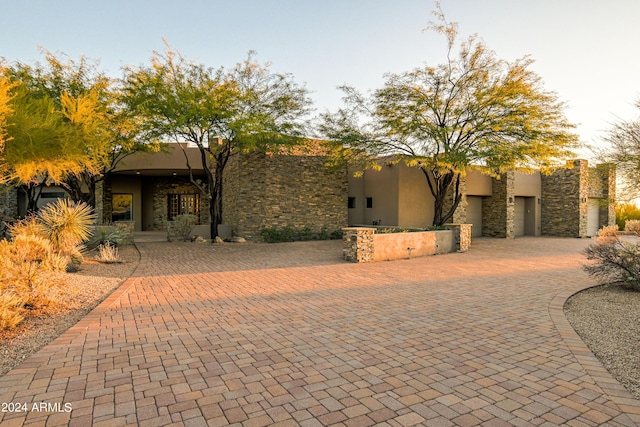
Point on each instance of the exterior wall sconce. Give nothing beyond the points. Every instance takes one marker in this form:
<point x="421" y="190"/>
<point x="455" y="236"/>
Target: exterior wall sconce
<point x="583" y="200"/>
<point x="510" y="199"/>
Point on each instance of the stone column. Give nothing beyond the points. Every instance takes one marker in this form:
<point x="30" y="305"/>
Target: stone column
<point x="564" y="201"/>
<point x="462" y="236"/>
<point x="358" y="244"/>
<point x="99" y="209"/>
<point x="498" y="210"/>
<point x="460" y="214"/>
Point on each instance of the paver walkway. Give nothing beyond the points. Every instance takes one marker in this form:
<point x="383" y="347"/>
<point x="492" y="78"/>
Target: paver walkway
<point x="289" y="334"/>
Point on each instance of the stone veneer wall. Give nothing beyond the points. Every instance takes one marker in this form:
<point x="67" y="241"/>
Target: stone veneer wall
<point x="564" y="201"/>
<point x="162" y="187"/>
<point x="104" y="201"/>
<point x="298" y="191"/>
<point x="462" y="234"/>
<point x="460" y="214"/>
<point x="99" y="209"/>
<point x="602" y="186"/>
<point x="9" y="201"/>
<point x="359" y="243"/>
<point x="498" y="210"/>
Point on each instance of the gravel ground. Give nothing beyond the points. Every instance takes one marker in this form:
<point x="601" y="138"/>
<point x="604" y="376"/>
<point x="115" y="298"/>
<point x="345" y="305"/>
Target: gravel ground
<point x="85" y="290"/>
<point x="607" y="318"/>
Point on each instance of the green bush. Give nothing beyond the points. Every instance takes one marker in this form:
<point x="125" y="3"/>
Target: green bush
<point x="277" y="235"/>
<point x="108" y="234"/>
<point x="289" y="234"/>
<point x="181" y="227"/>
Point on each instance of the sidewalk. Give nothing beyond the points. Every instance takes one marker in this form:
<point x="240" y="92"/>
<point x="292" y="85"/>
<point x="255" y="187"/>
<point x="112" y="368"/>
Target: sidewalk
<point x="289" y="334"/>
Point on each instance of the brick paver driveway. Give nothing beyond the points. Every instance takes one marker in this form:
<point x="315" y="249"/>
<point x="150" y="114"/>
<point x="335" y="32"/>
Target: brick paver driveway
<point x="289" y="334"/>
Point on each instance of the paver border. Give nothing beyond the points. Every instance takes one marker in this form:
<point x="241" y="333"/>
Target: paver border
<point x="589" y="362"/>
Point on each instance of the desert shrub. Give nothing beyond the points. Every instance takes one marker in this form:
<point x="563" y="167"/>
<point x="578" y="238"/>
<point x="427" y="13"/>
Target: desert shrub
<point x="607" y="234"/>
<point x="335" y="235"/>
<point x="632" y="225"/>
<point x="290" y="234"/>
<point x="306" y="234"/>
<point x="108" y="234"/>
<point x="615" y="261"/>
<point x="30" y="270"/>
<point x="10" y="310"/>
<point x="66" y="225"/>
<point x="277" y="235"/>
<point x="626" y="211"/>
<point x="181" y="227"/>
<point x="108" y="254"/>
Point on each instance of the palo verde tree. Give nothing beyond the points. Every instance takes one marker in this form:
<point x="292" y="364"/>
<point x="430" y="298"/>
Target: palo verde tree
<point x="220" y="111"/>
<point x="623" y="150"/>
<point x="53" y="129"/>
<point x="475" y="109"/>
<point x="93" y="132"/>
<point x="6" y="95"/>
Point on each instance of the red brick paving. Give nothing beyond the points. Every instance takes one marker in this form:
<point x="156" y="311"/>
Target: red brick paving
<point x="289" y="334"/>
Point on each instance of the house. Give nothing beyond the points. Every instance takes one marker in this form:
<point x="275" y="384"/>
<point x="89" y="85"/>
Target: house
<point x="260" y="190"/>
<point x="288" y="189"/>
<point x="573" y="201"/>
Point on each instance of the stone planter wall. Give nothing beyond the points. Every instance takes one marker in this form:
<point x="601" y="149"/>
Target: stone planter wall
<point x="361" y="244"/>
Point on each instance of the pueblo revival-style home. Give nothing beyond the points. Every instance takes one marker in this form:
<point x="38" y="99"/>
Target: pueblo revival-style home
<point x="263" y="190"/>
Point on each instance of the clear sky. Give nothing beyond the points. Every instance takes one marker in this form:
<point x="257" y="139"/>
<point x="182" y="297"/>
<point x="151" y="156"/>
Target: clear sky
<point x="587" y="51"/>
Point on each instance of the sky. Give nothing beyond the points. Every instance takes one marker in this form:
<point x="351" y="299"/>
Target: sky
<point x="587" y="51"/>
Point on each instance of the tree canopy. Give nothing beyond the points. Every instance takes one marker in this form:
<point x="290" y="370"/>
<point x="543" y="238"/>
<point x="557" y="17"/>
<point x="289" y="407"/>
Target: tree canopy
<point x="473" y="110"/>
<point x="67" y="127"/>
<point x="221" y="111"/>
<point x="6" y="95"/>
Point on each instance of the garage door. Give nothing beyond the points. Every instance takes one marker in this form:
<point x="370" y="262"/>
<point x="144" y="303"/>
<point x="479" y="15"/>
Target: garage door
<point x="593" y="217"/>
<point x="474" y="214"/>
<point x="519" y="219"/>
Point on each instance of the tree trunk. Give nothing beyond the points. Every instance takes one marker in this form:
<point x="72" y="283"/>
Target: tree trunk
<point x="215" y="203"/>
<point x="439" y="188"/>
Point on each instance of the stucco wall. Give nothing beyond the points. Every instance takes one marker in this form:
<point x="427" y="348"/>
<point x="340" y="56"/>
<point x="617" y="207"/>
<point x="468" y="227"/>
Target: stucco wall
<point x="478" y="184"/>
<point x="527" y="184"/>
<point x="415" y="201"/>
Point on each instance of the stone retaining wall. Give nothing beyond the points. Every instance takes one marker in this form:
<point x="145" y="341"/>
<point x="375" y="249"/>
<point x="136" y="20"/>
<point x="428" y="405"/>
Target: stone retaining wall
<point x="361" y="244"/>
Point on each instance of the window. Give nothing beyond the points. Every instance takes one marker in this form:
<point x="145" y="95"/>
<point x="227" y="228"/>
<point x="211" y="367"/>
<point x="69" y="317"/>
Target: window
<point x="352" y="202"/>
<point x="122" y="207"/>
<point x="54" y="195"/>
<point x="369" y="202"/>
<point x="180" y="204"/>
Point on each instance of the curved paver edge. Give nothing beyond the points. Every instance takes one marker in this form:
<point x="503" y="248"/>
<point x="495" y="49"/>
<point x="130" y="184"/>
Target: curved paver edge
<point x="589" y="362"/>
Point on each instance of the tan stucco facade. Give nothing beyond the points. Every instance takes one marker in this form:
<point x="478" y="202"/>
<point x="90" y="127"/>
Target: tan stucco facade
<point x="510" y="205"/>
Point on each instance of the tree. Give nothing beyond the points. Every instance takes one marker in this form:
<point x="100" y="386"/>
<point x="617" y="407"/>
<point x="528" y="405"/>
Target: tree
<point x="67" y="128"/>
<point x="473" y="110"/>
<point x="222" y="112"/>
<point x="6" y="95"/>
<point x="624" y="151"/>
